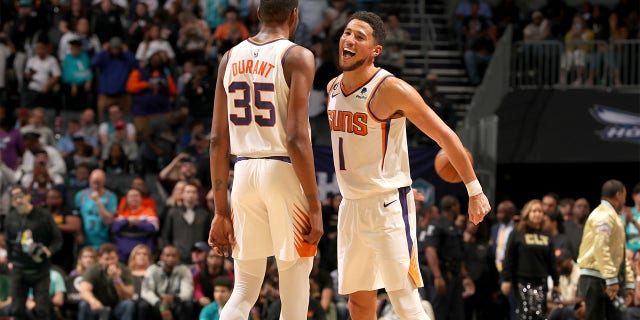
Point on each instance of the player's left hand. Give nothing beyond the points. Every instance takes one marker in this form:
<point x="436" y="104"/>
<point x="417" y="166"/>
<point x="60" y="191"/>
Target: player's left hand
<point x="313" y="235"/>
<point x="478" y="208"/>
<point x="221" y="235"/>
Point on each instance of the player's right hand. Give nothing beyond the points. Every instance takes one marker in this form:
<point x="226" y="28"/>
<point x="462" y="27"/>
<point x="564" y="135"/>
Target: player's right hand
<point x="478" y="208"/>
<point x="313" y="235"/>
<point x="221" y="235"/>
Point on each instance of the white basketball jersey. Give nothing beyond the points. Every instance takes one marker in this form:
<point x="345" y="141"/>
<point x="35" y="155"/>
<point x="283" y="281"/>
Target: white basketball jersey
<point x="257" y="96"/>
<point x="370" y="155"/>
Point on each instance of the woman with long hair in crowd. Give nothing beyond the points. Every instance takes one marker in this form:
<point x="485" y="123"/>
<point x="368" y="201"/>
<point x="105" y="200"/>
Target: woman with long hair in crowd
<point x="529" y="260"/>
<point x="139" y="260"/>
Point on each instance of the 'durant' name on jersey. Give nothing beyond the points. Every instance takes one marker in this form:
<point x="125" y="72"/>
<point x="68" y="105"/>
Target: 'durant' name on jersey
<point x="258" y="67"/>
<point x="347" y="121"/>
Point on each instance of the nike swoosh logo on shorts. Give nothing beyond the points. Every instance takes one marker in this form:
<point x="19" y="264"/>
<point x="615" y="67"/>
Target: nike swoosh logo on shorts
<point x="388" y="204"/>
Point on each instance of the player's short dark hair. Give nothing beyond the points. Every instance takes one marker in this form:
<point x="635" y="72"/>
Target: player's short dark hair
<point x="611" y="187"/>
<point x="223" y="281"/>
<point x="276" y="10"/>
<point x="374" y="21"/>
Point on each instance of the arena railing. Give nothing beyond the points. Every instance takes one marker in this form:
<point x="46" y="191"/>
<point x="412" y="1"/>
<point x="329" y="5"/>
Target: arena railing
<point x="577" y="64"/>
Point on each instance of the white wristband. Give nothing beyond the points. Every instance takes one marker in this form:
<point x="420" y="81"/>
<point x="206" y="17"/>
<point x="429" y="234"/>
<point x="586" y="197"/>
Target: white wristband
<point x="474" y="188"/>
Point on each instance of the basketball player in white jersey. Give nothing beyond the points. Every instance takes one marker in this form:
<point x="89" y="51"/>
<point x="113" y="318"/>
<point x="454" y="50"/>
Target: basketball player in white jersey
<point x="367" y="109"/>
<point x="261" y="116"/>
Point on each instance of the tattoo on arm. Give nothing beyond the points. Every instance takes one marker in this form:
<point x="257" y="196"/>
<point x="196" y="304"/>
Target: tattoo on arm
<point x="218" y="184"/>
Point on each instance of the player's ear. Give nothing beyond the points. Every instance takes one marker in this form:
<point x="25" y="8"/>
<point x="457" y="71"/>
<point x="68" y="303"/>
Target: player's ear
<point x="377" y="50"/>
<point x="258" y="14"/>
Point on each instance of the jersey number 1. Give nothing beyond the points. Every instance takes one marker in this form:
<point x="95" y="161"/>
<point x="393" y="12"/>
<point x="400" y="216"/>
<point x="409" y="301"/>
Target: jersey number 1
<point x="245" y="103"/>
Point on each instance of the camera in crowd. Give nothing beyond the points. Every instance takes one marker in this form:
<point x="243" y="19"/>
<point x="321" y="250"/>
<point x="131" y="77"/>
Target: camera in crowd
<point x="619" y="304"/>
<point x="36" y="251"/>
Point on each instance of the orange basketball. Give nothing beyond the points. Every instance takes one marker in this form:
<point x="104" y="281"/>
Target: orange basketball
<point x="445" y="169"/>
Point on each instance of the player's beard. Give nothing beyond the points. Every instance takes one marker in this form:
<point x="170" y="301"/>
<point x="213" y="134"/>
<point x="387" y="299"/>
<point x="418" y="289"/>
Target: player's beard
<point x="353" y="66"/>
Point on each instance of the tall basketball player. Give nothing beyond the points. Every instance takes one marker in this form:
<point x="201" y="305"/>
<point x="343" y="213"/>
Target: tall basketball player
<point x="261" y="116"/>
<point x="376" y="223"/>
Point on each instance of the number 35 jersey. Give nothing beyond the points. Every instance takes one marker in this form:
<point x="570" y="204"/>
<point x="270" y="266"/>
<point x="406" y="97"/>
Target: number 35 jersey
<point x="257" y="97"/>
<point x="370" y="154"/>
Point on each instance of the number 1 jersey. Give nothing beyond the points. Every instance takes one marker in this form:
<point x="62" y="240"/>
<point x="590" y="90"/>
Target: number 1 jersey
<point x="370" y="154"/>
<point x="257" y="97"/>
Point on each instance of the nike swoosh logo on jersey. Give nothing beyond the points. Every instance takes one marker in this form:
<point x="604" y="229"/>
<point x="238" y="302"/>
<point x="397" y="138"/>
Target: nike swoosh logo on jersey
<point x="388" y="204"/>
<point x="334" y="95"/>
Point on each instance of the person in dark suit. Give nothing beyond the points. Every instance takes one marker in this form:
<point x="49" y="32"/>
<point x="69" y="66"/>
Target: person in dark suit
<point x="499" y="234"/>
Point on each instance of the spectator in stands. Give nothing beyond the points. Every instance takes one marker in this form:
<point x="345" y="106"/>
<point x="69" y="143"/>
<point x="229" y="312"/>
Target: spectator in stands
<point x="507" y="13"/>
<point x="159" y="142"/>
<point x="479" y="53"/>
<point x="153" y="42"/>
<point x="529" y="260"/>
<point x="76" y="77"/>
<point x="78" y="181"/>
<point x="65" y="144"/>
<point x="97" y="207"/>
<point x="630" y="218"/>
<point x="33" y="237"/>
<point x="222" y="288"/>
<point x="199" y="252"/>
<point x="437" y="101"/>
<point x="174" y="200"/>
<point x="139" y="261"/>
<point x="233" y="30"/>
<point x="573" y="228"/>
<point x="87" y="257"/>
<point x="106" y="288"/>
<point x="12" y="146"/>
<point x="334" y="19"/>
<point x="69" y="224"/>
<point x="39" y="182"/>
<point x="565" y="207"/>
<point x="189" y="138"/>
<point x="575" y="55"/>
<point x="74" y="12"/>
<point x="167" y="289"/>
<point x="501" y="230"/>
<point x="42" y="73"/>
<point x="615" y="31"/>
<point x="106" y="130"/>
<point x="139" y="25"/>
<point x="106" y="23"/>
<point x="550" y="203"/>
<point x="186" y="225"/>
<point x="321" y="286"/>
<point x="392" y="57"/>
<point x="116" y="161"/>
<point x="114" y="65"/>
<point x="147" y="200"/>
<point x="214" y="14"/>
<point x="445" y="255"/>
<point x="538" y="29"/>
<point x="181" y="168"/>
<point x="38" y="124"/>
<point x="123" y="139"/>
<point x="197" y="97"/>
<point x="569" y="274"/>
<point x="89" y="128"/>
<point x="152" y="88"/>
<point x="7" y="180"/>
<point x="464" y="10"/>
<point x="554" y="227"/>
<point x="82" y="153"/>
<point x="82" y="31"/>
<point x="56" y="166"/>
<point x="134" y="224"/>
<point x="204" y="280"/>
<point x="192" y="37"/>
<point x="57" y="292"/>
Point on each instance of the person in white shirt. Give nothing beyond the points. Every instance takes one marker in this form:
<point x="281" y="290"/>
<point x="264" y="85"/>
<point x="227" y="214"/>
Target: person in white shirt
<point x="42" y="73"/>
<point x="106" y="130"/>
<point x="56" y="166"/>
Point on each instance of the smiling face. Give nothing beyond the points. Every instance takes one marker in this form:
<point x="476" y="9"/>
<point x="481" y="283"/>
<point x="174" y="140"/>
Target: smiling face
<point x="357" y="46"/>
